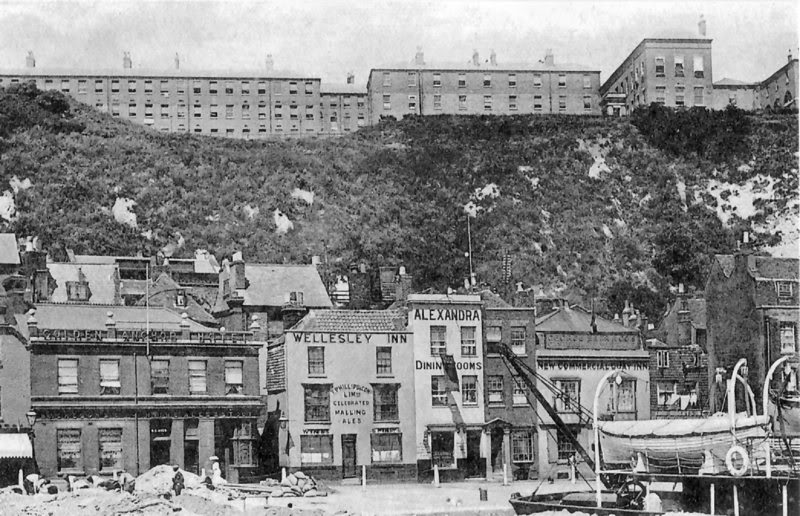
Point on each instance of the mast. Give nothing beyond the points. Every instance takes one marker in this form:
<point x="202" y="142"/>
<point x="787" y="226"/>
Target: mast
<point x="469" y="243"/>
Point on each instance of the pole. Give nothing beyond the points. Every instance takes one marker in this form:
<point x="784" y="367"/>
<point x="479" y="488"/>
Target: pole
<point x="785" y="500"/>
<point x="765" y="408"/>
<point x="505" y="473"/>
<point x="469" y="241"/>
<point x="596" y="408"/>
<point x="712" y="498"/>
<point x="735" y="500"/>
<point x="732" y="395"/>
<point x="436" y="475"/>
<point x="363" y="477"/>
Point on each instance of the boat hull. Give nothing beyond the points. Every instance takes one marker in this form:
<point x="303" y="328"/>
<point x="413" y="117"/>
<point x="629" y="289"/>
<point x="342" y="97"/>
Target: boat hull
<point x="555" y="502"/>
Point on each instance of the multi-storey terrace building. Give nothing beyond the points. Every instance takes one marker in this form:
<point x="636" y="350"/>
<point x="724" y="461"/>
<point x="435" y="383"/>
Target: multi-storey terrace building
<point x="675" y="72"/>
<point x="482" y="88"/>
<point x="343" y="107"/>
<point x="247" y="104"/>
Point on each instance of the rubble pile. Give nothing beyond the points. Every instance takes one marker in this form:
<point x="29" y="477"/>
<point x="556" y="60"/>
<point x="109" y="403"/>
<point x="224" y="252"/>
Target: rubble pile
<point x="296" y="484"/>
<point x="158" y="480"/>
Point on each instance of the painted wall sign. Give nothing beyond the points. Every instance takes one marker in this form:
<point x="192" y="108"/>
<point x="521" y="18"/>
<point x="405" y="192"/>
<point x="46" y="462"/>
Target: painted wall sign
<point x="423" y="365"/>
<point x="593" y="364"/>
<point x="351" y="403"/>
<point x="332" y="338"/>
<point x="138" y="336"/>
<point x="446" y="314"/>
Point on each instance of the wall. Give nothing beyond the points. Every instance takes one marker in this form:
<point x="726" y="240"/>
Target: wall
<point x="743" y="97"/>
<point x="15" y="393"/>
<point x="349" y="111"/>
<point x="774" y="89"/>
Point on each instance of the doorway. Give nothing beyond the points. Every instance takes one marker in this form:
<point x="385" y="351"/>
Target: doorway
<point x="349" y="459"/>
<point x="160" y="441"/>
<point x="476" y="466"/>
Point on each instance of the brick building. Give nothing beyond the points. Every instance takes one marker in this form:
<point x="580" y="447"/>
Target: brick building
<point x="511" y="426"/>
<point x="679" y="361"/>
<point x="752" y="312"/>
<point x="343" y="384"/>
<point x="120" y="387"/>
<point x="482" y="88"/>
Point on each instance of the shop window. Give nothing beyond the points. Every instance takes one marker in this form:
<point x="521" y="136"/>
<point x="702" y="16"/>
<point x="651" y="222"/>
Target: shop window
<point x="68" y="449"/>
<point x="662" y="358"/>
<point x="197" y="377"/>
<point x="317" y="403"/>
<point x="518" y="396"/>
<point x="234" y="383"/>
<point x="788" y="330"/>
<point x="442" y="445"/>
<point x="568" y="398"/>
<point x="316" y="449"/>
<point x="518" y="334"/>
<point x="159" y="376"/>
<point x="468" y="346"/>
<point x="109" y="377"/>
<point x="522" y="446"/>
<point x="494" y="385"/>
<point x="469" y="390"/>
<point x="68" y="376"/>
<point x="110" y="449"/>
<point x="438" y="340"/>
<point x="386" y="446"/>
<point x="316" y="360"/>
<point x="385" y="402"/>
<point x="565" y="447"/>
<point x="438" y="391"/>
<point x="383" y="359"/>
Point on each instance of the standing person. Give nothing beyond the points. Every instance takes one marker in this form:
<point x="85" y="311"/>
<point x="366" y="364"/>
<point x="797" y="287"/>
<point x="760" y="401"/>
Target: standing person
<point x="177" y="480"/>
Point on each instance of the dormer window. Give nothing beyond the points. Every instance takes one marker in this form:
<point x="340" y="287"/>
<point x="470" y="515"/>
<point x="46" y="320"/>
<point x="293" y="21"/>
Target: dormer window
<point x="296" y="298"/>
<point x="180" y="298"/>
<point x="78" y="291"/>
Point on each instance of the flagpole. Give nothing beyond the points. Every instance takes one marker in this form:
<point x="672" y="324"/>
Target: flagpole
<point x="469" y="241"/>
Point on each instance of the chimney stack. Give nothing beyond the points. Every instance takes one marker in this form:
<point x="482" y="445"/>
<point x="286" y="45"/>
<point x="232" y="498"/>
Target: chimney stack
<point x="351" y="78"/>
<point x="237" y="271"/>
<point x="177" y="61"/>
<point x="476" y="60"/>
<point x="493" y="58"/>
<point x="626" y="314"/>
<point x="549" y="59"/>
<point x="270" y="63"/>
<point x="126" y="60"/>
<point x="701" y="26"/>
<point x="789" y="56"/>
<point x="30" y="61"/>
<point x="419" y="57"/>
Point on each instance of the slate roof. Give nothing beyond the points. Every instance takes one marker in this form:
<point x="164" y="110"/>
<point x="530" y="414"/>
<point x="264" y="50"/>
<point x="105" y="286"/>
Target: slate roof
<point x="727" y="81"/>
<point x="270" y="284"/>
<point x="468" y="66"/>
<point x="162" y="294"/>
<point x="276" y="365"/>
<point x="365" y="321"/>
<point x="341" y="89"/>
<point x="94" y="317"/>
<point x="101" y="277"/>
<point x="9" y="252"/>
<point x="143" y="73"/>
<point x="578" y="319"/>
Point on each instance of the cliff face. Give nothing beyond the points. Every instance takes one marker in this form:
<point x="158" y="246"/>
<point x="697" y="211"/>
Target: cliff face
<point x="588" y="206"/>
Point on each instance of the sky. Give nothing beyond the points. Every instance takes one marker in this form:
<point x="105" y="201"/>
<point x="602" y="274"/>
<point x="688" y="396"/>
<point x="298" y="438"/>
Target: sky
<point x="328" y="39"/>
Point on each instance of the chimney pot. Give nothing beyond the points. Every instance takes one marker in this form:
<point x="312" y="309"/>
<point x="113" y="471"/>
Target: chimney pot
<point x="549" y="59"/>
<point x="177" y="61"/>
<point x="493" y="58"/>
<point x="362" y="268"/>
<point x="315" y="260"/>
<point x="746" y="237"/>
<point x="476" y="59"/>
<point x="419" y="57"/>
<point x="351" y="78"/>
<point x="402" y="270"/>
<point x="126" y="60"/>
<point x="701" y="26"/>
<point x="790" y="55"/>
<point x="269" y="62"/>
<point x="30" y="61"/>
<point x="680" y="288"/>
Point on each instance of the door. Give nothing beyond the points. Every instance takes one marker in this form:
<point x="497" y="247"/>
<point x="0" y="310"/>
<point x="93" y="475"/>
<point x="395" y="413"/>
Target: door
<point x="191" y="462"/>
<point x="160" y="441"/>
<point x="349" y="459"/>
<point x="476" y="466"/>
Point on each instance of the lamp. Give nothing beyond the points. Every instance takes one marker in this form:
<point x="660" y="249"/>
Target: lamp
<point x="284" y="423"/>
<point x="31" y="417"/>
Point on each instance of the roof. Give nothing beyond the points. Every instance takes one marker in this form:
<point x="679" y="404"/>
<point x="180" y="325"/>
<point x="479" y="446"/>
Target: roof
<point x="726" y="263"/>
<point x="161" y="290"/>
<point x="142" y="73"/>
<point x="102" y="280"/>
<point x="341" y="89"/>
<point x="15" y="446"/>
<point x="492" y="300"/>
<point x="94" y="317"/>
<point x="578" y="319"/>
<point x="728" y="82"/>
<point x="768" y="267"/>
<point x="9" y="252"/>
<point x="445" y="298"/>
<point x="363" y="321"/>
<point x="467" y="66"/>
<point x="776" y="73"/>
<point x="270" y="284"/>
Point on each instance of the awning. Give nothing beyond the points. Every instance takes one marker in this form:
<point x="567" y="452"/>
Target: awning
<point x="15" y="446"/>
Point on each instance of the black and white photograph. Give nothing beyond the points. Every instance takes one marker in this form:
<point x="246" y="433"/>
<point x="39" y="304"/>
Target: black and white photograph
<point x="362" y="258"/>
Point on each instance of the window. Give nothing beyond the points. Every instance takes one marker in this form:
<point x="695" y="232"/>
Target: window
<point x="462" y="80"/>
<point x="196" y="87"/>
<point x="494" y="386"/>
<point x="115" y="86"/>
<point x="317" y="403"/>
<point x="568" y="398"/>
<point x="197" y="376"/>
<point x="512" y="80"/>
<point x="383" y="359"/>
<point x="537" y="102"/>
<point x="462" y="102"/>
<point x="197" y="111"/>
<point x="537" y="80"/>
<point x="309" y="88"/>
<point x="65" y="85"/>
<point x="262" y="110"/>
<point x="487" y="80"/>
<point x="587" y="81"/>
<point x="662" y="358"/>
<point x="109" y="377"/>
<point x="293" y="88"/>
<point x="698" y="96"/>
<point x="518" y="335"/>
<point x="316" y="449"/>
<point x="229" y="111"/>
<point x="412" y="103"/>
<point x="564" y="445"/>
<point x="212" y="87"/>
<point x="316" y="360"/>
<point x="278" y="111"/>
<point x="385" y="402"/>
<point x="522" y="446"/>
<point x="438" y="340"/>
<point x="234" y="383"/>
<point x="437" y="80"/>
<point x="468" y="347"/>
<point x="587" y="103"/>
<point x="68" y="376"/>
<point x="132" y="109"/>
<point x="787" y="337"/>
<point x="661" y="95"/>
<point x="386" y="446"/>
<point x="361" y="122"/>
<point x="518" y="396"/>
<point x="784" y="291"/>
<point x="82" y="86"/>
<point x="512" y="102"/>
<point x="562" y="80"/>
<point x="698" y="67"/>
<point x="442" y="446"/>
<point x="562" y="103"/>
<point x="159" y="376"/>
<point x="110" y="448"/>
<point x="660" y="67"/>
<point x="79" y="290"/>
<point x="228" y="88"/>
<point x="678" y="66"/>
<point x="623" y="396"/>
<point x="487" y="102"/>
<point x="680" y="96"/>
<point x="469" y="390"/>
<point x="666" y="394"/>
<point x="262" y="87"/>
<point x="412" y="79"/>
<point x="387" y="102"/>
<point x="148" y="86"/>
<point x="245" y="87"/>
<point x="181" y="110"/>
<point x="115" y="109"/>
<point x="437" y="102"/>
<point x="246" y="111"/>
<point x="131" y="86"/>
<point x="387" y="79"/>
<point x="438" y="391"/>
<point x="68" y="444"/>
<point x="164" y="110"/>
